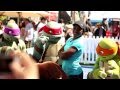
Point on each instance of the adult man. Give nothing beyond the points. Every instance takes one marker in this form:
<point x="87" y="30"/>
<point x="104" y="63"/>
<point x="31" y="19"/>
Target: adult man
<point x="100" y="31"/>
<point x="41" y="23"/>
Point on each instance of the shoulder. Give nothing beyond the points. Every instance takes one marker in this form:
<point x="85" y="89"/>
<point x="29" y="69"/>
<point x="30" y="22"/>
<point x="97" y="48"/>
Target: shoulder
<point x="42" y="39"/>
<point x="41" y="24"/>
<point x="79" y="42"/>
<point x="69" y="39"/>
<point x="21" y="42"/>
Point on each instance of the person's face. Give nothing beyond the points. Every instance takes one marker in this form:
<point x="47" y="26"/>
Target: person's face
<point x="20" y="24"/>
<point x="43" y="21"/>
<point x="26" y="22"/>
<point x="99" y="26"/>
<point x="77" y="31"/>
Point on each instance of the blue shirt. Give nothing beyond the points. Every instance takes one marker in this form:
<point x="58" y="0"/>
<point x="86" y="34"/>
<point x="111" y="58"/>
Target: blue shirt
<point x="72" y="66"/>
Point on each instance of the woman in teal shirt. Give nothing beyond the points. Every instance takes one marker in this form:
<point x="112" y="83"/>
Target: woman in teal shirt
<point x="71" y="53"/>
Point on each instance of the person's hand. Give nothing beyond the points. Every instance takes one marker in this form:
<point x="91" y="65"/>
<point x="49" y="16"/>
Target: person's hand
<point x="24" y="67"/>
<point x="60" y="54"/>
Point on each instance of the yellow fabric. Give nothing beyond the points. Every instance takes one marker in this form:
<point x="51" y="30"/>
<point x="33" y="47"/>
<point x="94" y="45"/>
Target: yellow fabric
<point x="52" y="52"/>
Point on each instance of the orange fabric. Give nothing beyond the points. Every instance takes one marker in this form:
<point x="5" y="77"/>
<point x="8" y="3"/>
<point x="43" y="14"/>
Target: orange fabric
<point x="118" y="43"/>
<point x="50" y="70"/>
<point x="105" y="52"/>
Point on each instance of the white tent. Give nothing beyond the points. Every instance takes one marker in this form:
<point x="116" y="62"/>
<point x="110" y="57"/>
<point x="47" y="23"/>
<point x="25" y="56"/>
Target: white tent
<point x="111" y="14"/>
<point x="99" y="15"/>
<point x="96" y="15"/>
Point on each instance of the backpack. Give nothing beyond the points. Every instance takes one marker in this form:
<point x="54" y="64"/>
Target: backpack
<point x="37" y="25"/>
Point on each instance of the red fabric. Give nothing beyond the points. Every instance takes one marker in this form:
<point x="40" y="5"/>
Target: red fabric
<point x="115" y="30"/>
<point x="108" y="33"/>
<point x="50" y="70"/>
<point x="41" y="29"/>
<point x="118" y="48"/>
<point x="53" y="31"/>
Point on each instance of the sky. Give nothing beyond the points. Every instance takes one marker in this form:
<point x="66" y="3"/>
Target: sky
<point x="97" y="15"/>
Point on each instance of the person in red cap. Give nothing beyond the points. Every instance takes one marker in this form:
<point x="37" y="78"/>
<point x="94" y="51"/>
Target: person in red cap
<point x="49" y="43"/>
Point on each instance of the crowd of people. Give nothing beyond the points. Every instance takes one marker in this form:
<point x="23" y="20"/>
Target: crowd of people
<point x="100" y="29"/>
<point x="57" y="47"/>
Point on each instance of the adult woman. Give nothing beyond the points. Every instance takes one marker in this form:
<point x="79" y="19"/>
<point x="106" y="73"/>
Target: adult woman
<point x="72" y="51"/>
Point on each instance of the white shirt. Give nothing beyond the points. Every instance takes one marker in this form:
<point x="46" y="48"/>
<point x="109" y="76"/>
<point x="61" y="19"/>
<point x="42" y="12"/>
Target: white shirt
<point x="40" y="25"/>
<point x="2" y="30"/>
<point x="35" y="36"/>
<point x="29" y="28"/>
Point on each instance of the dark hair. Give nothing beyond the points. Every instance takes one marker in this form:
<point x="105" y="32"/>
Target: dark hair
<point x="61" y="20"/>
<point x="42" y="18"/>
<point x="27" y="20"/>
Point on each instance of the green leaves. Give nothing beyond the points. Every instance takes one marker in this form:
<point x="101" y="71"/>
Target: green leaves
<point x="2" y="18"/>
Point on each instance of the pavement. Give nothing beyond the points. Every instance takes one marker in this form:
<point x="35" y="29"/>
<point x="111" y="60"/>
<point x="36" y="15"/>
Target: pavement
<point x="86" y="70"/>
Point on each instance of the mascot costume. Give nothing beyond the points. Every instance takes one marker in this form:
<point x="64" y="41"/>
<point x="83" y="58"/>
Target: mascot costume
<point x="47" y="45"/>
<point x="11" y="38"/>
<point x="107" y="65"/>
<point x="50" y="70"/>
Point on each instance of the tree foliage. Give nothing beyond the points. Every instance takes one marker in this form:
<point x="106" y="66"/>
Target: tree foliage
<point x="2" y="18"/>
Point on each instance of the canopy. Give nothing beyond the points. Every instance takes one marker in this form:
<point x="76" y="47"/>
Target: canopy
<point x="24" y="14"/>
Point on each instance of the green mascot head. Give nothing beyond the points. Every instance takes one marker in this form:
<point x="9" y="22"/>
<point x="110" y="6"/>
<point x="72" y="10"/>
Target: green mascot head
<point x="106" y="66"/>
<point x="53" y="30"/>
<point x="107" y="49"/>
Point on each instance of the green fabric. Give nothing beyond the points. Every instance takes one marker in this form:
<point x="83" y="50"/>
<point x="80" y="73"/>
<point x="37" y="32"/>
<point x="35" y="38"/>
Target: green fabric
<point x="17" y="44"/>
<point x="106" y="66"/>
<point x="107" y="43"/>
<point x="113" y="71"/>
<point x="40" y="43"/>
<point x="43" y="43"/>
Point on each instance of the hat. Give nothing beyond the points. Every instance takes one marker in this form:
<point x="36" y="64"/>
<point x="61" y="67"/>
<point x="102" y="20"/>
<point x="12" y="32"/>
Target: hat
<point x="80" y="24"/>
<point x="12" y="30"/>
<point x="52" y="29"/>
<point x="99" y="24"/>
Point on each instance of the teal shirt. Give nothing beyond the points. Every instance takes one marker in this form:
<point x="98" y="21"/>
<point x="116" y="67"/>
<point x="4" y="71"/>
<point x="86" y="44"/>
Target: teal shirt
<point x="72" y="66"/>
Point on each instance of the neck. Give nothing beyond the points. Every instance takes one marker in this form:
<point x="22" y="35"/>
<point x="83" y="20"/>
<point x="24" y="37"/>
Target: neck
<point x="75" y="37"/>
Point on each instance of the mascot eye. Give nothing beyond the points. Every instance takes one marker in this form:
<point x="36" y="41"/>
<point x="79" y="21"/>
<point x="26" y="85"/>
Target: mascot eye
<point x="101" y="52"/>
<point x="50" y="31"/>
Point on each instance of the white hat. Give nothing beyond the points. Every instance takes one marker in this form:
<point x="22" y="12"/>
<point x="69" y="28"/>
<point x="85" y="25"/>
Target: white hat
<point x="52" y="29"/>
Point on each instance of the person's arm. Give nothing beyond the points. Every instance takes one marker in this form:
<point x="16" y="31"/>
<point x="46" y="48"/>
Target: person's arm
<point x="37" y="53"/>
<point x="26" y="33"/>
<point x="67" y="54"/>
<point x="39" y="47"/>
<point x="23" y="66"/>
<point x="94" y="33"/>
<point x="22" y="46"/>
<point x="76" y="46"/>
